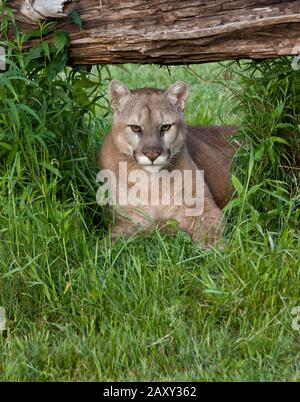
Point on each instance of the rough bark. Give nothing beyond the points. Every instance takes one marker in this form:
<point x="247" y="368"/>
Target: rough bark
<point x="176" y="32"/>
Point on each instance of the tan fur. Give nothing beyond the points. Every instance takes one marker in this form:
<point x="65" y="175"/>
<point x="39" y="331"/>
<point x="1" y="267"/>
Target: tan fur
<point x="212" y="151"/>
<point x="181" y="147"/>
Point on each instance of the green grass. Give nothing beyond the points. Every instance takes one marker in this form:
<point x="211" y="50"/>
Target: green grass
<point x="154" y="307"/>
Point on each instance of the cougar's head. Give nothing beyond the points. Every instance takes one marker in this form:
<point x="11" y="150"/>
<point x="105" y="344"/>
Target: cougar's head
<point x="148" y="124"/>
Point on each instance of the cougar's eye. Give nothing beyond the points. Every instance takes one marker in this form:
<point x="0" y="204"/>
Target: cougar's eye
<point x="165" y="127"/>
<point x="136" y="129"/>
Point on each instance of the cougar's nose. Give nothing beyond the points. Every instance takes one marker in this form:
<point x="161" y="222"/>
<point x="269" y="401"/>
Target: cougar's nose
<point x="152" y="154"/>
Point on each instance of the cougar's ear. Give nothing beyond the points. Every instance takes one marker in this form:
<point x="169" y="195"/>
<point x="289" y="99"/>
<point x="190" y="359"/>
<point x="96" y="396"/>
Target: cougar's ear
<point x="178" y="93"/>
<point x="118" y="93"/>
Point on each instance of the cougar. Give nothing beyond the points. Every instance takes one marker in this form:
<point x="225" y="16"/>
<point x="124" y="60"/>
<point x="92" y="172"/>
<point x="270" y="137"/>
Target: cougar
<point x="149" y="134"/>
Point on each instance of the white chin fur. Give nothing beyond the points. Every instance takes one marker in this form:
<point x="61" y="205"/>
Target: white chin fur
<point x="152" y="168"/>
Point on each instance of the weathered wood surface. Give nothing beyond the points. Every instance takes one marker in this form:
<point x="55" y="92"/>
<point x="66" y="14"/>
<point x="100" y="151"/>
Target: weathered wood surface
<point x="176" y="32"/>
<point x="35" y="10"/>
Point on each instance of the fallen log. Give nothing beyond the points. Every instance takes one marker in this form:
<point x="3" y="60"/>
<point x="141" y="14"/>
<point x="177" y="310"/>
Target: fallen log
<point x="172" y="31"/>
